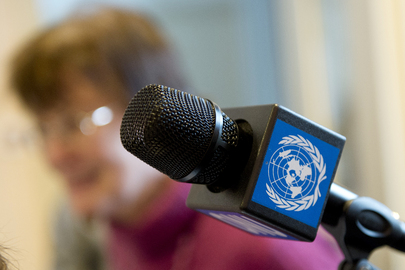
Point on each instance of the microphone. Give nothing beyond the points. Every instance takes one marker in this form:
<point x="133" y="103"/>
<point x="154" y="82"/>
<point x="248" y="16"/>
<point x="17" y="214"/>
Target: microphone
<point x="263" y="169"/>
<point x="184" y="136"/>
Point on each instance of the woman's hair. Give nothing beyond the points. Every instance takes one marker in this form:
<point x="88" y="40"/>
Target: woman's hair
<point x="4" y="262"/>
<point x="106" y="46"/>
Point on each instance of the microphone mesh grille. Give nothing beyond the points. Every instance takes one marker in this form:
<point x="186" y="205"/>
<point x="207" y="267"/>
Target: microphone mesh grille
<point x="172" y="130"/>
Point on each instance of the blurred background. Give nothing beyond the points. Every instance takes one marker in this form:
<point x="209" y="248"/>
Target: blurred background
<point x="338" y="63"/>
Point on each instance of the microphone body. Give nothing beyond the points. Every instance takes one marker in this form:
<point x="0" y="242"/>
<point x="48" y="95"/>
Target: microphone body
<point x="263" y="169"/>
<point x="255" y="203"/>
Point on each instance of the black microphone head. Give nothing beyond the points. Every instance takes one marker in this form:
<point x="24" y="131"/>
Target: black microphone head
<point x="184" y="136"/>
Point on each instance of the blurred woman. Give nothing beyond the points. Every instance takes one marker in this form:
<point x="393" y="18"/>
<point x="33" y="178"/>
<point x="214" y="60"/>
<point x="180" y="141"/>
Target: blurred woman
<point x="87" y="68"/>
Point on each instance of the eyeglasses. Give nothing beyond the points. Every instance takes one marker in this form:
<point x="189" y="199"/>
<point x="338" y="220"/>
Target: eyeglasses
<point x="69" y="125"/>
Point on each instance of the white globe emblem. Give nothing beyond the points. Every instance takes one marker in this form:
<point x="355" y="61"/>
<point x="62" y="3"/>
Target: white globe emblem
<point x="295" y="171"/>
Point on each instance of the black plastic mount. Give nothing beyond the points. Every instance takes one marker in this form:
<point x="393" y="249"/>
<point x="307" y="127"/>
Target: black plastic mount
<point x="360" y="225"/>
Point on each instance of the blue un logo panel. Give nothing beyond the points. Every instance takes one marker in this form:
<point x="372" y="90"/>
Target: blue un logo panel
<point x="247" y="224"/>
<point x="294" y="169"/>
<point x="296" y="174"/>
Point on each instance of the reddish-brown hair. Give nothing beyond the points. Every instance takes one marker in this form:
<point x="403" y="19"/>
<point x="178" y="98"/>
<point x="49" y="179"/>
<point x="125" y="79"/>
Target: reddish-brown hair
<point x="107" y="45"/>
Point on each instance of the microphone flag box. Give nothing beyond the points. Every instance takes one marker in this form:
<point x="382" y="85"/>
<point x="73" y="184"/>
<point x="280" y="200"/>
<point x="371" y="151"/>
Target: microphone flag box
<point x="283" y="189"/>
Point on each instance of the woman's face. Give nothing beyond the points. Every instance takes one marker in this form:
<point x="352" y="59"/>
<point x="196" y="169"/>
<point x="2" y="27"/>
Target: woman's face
<point x="101" y="177"/>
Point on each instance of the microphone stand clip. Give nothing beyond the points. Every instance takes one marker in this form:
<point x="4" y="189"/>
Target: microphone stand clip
<point x="360" y="225"/>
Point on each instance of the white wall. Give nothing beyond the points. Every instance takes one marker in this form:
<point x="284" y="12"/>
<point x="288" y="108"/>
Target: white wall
<point x="27" y="194"/>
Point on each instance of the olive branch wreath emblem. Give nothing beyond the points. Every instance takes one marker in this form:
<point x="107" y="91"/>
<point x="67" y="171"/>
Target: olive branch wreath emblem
<point x="310" y="200"/>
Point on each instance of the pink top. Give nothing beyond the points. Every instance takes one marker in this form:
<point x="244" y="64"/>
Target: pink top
<point x="173" y="236"/>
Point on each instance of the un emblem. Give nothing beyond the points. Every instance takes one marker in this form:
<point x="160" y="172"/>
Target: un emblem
<point x="295" y="171"/>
